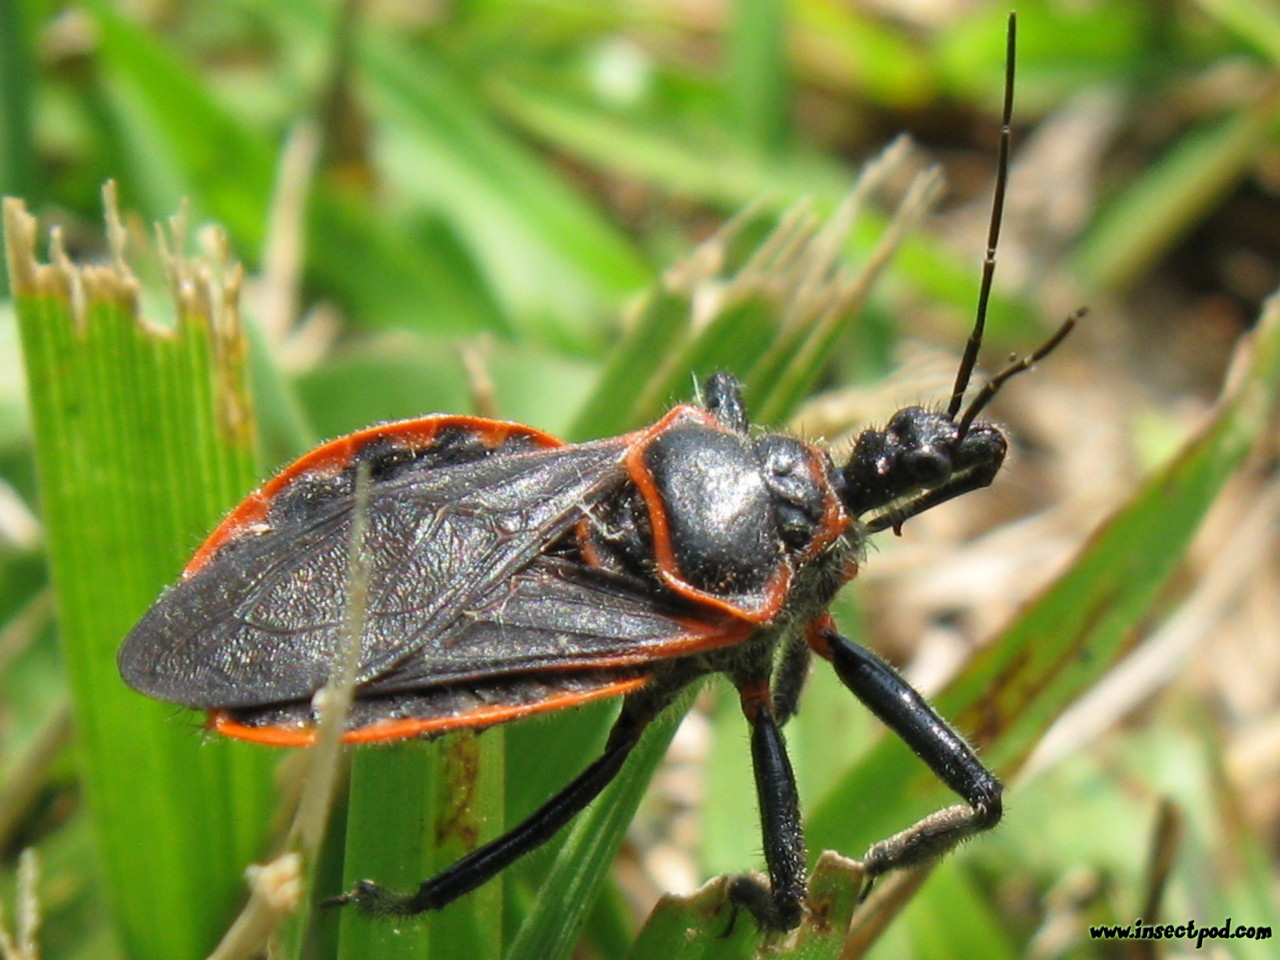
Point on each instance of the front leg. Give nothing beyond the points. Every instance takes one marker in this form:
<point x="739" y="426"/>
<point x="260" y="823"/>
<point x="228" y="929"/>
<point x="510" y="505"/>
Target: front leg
<point x="932" y="739"/>
<point x="721" y="396"/>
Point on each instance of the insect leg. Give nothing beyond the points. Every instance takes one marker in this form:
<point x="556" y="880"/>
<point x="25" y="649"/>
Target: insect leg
<point x="788" y="680"/>
<point x="779" y="906"/>
<point x="721" y="396"/>
<point x="932" y="739"/>
<point x="485" y="862"/>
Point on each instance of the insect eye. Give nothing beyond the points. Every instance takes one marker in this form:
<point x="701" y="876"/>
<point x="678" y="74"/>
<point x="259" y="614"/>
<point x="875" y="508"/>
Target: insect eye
<point x="795" y="526"/>
<point x="927" y="466"/>
<point x="798" y="502"/>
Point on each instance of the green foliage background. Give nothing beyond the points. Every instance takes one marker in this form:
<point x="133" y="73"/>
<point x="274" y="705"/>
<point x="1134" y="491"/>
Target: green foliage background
<point x="498" y="180"/>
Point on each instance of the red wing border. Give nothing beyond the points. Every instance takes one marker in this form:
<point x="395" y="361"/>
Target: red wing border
<point x="331" y="459"/>
<point x="430" y="713"/>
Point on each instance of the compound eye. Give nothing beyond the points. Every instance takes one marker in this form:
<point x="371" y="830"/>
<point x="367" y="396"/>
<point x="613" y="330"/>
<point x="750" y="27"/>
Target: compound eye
<point x="798" y="501"/>
<point x="928" y="466"/>
<point x="795" y="526"/>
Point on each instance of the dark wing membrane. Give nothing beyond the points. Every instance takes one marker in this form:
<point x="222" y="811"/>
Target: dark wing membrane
<point x="262" y="620"/>
<point x="555" y="615"/>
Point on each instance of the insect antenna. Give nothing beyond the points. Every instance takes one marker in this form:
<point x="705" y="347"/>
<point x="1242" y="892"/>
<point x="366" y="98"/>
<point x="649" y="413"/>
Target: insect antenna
<point x="970" y="359"/>
<point x="992" y="386"/>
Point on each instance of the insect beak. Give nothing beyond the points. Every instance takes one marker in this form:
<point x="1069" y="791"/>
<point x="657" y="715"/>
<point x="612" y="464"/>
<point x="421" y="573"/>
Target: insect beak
<point x="920" y="460"/>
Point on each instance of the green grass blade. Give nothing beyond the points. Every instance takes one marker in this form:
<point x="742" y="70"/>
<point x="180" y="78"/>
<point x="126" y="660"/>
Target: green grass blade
<point x="415" y="808"/>
<point x="759" y="94"/>
<point x="565" y="743"/>
<point x="1256" y="22"/>
<point x="1158" y="208"/>
<point x="768" y="309"/>
<point x="471" y="806"/>
<point x="952" y="917"/>
<point x="177" y="141"/>
<point x="176" y="137"/>
<point x="823" y="304"/>
<point x="698" y="164"/>
<point x="142" y="440"/>
<point x="546" y="256"/>
<point x="391" y="839"/>
<point x="700" y="926"/>
<point x="629" y="374"/>
<point x="498" y="195"/>
<point x="569" y="888"/>
<point x="853" y="49"/>
<point x="704" y="926"/>
<point x="17" y="66"/>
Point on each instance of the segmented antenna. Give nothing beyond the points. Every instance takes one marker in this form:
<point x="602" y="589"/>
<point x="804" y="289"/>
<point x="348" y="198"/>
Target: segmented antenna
<point x="970" y="359"/>
<point x="992" y="386"/>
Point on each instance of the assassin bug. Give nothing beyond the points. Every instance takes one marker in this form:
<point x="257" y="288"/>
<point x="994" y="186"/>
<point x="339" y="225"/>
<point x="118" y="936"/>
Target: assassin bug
<point x="512" y="574"/>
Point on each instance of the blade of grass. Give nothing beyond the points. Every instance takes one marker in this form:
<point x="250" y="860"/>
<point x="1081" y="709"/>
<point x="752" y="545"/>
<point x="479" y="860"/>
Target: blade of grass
<point x="706" y="926"/>
<point x="17" y="140"/>
<point x="1248" y="891"/>
<point x="565" y="743"/>
<point x="546" y="256"/>
<point x="699" y="165"/>
<point x="470" y="813"/>
<point x="850" y="48"/>
<point x="142" y="439"/>
<point x="633" y="366"/>
<point x="775" y="309"/>
<point x="687" y="323"/>
<point x="177" y="135"/>
<point x="551" y="929"/>
<point x="1258" y="23"/>
<point x="181" y="142"/>
<point x="609" y="927"/>
<point x="699" y="926"/>
<point x="759" y="89"/>
<point x="823" y="302"/>
<point x="390" y="838"/>
<point x="1157" y="209"/>
<point x="951" y="917"/>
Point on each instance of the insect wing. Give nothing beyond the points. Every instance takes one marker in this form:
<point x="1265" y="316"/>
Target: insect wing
<point x="262" y="619"/>
<point x="558" y="614"/>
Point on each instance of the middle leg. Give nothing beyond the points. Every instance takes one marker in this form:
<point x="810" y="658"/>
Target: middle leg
<point x="779" y="907"/>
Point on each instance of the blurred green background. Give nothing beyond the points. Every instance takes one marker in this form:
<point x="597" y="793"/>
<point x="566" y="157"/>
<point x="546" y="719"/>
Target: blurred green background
<point x="450" y="206"/>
